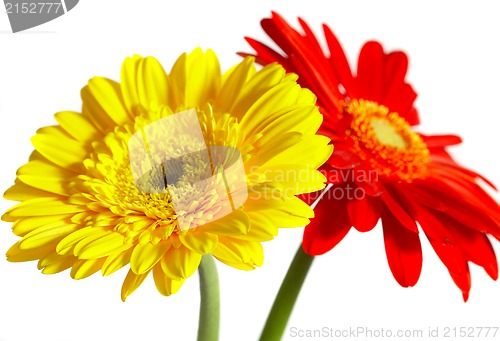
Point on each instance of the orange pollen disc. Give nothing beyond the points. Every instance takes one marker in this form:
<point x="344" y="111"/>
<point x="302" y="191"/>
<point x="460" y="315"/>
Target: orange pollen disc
<point x="386" y="141"/>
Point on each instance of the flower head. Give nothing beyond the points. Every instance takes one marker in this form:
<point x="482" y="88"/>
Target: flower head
<point x="382" y="168"/>
<point x="160" y="169"/>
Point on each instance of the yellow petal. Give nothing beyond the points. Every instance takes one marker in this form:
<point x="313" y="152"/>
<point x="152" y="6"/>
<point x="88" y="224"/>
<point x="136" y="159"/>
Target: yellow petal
<point x="165" y="285"/>
<point x="313" y="150"/>
<point x="144" y="83"/>
<point x="283" y="95"/>
<point x="199" y="242"/>
<point x="84" y="268"/>
<point x="23" y="226"/>
<point x="203" y="78"/>
<point x="237" y="265"/>
<point x="234" y="224"/>
<point x="97" y="233"/>
<point x="116" y="261"/>
<point x="67" y="245"/>
<point x="77" y="126"/>
<point x="271" y="150"/>
<point x="128" y="82"/>
<point x="45" y="176"/>
<point x="233" y="81"/>
<point x="101" y="246"/>
<point x="284" y="219"/>
<point x="35" y="155"/>
<point x="47" y="234"/>
<point x="297" y="207"/>
<point x="92" y="111"/>
<point x="55" y="263"/>
<point x="41" y="207"/>
<point x="56" y="267"/>
<point x="265" y="79"/>
<point x="295" y="178"/>
<point x="298" y="118"/>
<point x="131" y="283"/>
<point x="180" y="263"/>
<point x="52" y="185"/>
<point x="178" y="82"/>
<point x="16" y="254"/>
<point x="305" y="96"/>
<point x="56" y="131"/>
<point x="20" y="192"/>
<point x="265" y="196"/>
<point x="66" y="153"/>
<point x="261" y="227"/>
<point x="235" y="251"/>
<point x="145" y="256"/>
<point x="108" y="96"/>
<point x="154" y="88"/>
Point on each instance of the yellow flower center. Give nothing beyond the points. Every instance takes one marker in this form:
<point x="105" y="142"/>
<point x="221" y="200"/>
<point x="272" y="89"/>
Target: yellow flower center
<point x="386" y="141"/>
<point x="387" y="134"/>
<point x="175" y="179"/>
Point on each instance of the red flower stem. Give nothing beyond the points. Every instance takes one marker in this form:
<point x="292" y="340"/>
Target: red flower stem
<point x="208" y="327"/>
<point x="287" y="295"/>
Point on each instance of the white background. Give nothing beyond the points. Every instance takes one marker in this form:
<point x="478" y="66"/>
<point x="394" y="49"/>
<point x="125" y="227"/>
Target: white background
<point x="454" y="66"/>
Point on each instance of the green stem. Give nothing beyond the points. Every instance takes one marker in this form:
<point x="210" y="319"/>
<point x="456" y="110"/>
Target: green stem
<point x="208" y="328"/>
<point x="287" y="295"/>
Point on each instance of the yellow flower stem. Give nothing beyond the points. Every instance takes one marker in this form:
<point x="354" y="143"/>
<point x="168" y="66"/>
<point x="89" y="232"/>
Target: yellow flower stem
<point x="287" y="295"/>
<point x="208" y="327"/>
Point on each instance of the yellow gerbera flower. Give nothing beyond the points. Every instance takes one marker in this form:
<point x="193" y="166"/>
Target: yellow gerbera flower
<point x="160" y="169"/>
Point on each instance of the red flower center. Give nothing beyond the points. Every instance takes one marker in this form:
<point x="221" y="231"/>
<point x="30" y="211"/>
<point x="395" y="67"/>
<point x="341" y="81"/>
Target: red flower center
<point x="386" y="141"/>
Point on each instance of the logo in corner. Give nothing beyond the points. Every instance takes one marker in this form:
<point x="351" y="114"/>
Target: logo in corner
<point x="25" y="14"/>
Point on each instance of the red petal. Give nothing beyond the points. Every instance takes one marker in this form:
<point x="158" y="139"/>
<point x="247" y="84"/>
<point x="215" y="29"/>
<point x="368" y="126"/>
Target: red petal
<point x="437" y="195"/>
<point x="337" y="125"/>
<point x="395" y="67"/>
<point x="309" y="36"/>
<point x="364" y="213"/>
<point x="403" y="103"/>
<point x="475" y="246"/>
<point x="344" y="159"/>
<point x="338" y="59"/>
<point x="290" y="40"/>
<point x="328" y="227"/>
<point x="440" y="141"/>
<point x="368" y="181"/>
<point x="334" y="176"/>
<point x="370" y="72"/>
<point x="412" y="117"/>
<point x="445" y="246"/>
<point x="399" y="96"/>
<point x="403" y="249"/>
<point x="448" y="163"/>
<point x="266" y="54"/>
<point x="398" y="210"/>
<point x="312" y="78"/>
<point x="270" y="26"/>
<point x="309" y="61"/>
<point x="467" y="185"/>
<point x="441" y="156"/>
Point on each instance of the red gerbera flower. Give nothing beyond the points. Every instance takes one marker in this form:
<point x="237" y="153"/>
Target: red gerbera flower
<point x="381" y="167"/>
